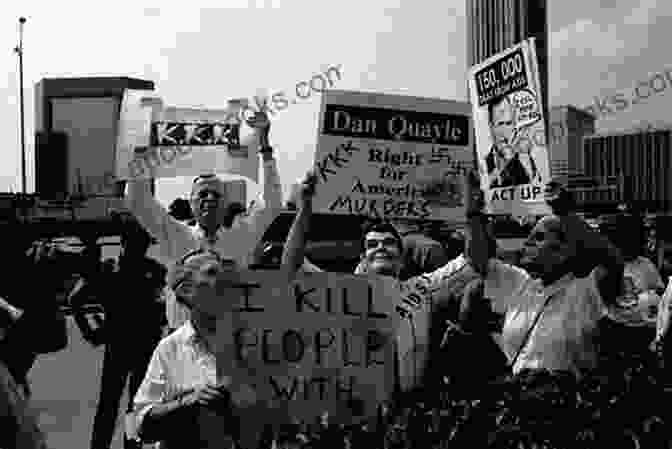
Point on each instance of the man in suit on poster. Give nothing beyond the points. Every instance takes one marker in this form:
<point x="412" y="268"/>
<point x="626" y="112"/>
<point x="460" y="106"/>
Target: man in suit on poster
<point x="503" y="163"/>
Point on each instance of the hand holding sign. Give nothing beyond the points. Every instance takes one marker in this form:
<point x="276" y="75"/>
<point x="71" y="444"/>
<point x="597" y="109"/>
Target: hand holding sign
<point x="477" y="249"/>
<point x="216" y="397"/>
<point x="558" y="198"/>
<point x="261" y="125"/>
<point x="307" y="188"/>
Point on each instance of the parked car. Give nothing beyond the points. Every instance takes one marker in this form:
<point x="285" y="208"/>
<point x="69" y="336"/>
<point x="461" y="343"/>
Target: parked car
<point x="334" y="241"/>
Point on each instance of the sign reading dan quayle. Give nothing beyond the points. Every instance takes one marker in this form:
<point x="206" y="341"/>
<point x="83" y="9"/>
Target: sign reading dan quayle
<point x="510" y="131"/>
<point x="308" y="345"/>
<point x="390" y="156"/>
<point x="156" y="141"/>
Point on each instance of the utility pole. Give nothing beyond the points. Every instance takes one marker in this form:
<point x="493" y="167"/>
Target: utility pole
<point x="19" y="50"/>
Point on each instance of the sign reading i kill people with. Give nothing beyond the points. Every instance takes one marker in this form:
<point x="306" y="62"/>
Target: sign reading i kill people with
<point x="510" y="131"/>
<point x="390" y="156"/>
<point x="155" y="141"/>
<point x="295" y="348"/>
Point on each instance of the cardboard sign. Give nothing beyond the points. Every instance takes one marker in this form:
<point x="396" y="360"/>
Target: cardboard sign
<point x="389" y="156"/>
<point x="510" y="131"/>
<point x="294" y="349"/>
<point x="182" y="141"/>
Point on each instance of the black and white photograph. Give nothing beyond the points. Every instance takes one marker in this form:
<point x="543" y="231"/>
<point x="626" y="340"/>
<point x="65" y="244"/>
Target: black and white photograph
<point x="380" y="224"/>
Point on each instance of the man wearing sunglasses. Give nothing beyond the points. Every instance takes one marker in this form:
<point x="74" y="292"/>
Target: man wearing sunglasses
<point x="210" y="206"/>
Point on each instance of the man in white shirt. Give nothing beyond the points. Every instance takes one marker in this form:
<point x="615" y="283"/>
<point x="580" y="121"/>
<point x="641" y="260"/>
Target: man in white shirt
<point x="575" y="270"/>
<point x="184" y="400"/>
<point x="181" y="383"/>
<point x="210" y="207"/>
<point x="419" y="296"/>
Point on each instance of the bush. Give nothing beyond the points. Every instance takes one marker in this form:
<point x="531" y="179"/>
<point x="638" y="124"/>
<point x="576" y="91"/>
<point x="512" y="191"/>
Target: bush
<point x="621" y="405"/>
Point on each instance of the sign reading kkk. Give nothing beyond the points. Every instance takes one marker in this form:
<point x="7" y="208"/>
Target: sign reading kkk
<point x="182" y="141"/>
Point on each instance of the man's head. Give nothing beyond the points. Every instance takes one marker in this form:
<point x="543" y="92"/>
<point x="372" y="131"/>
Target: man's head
<point x="500" y="113"/>
<point x="547" y="251"/>
<point x="194" y="279"/>
<point x="208" y="201"/>
<point x="383" y="249"/>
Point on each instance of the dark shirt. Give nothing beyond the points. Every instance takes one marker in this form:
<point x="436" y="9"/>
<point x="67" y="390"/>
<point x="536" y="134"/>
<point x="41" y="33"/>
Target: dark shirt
<point x="129" y="296"/>
<point x="136" y="291"/>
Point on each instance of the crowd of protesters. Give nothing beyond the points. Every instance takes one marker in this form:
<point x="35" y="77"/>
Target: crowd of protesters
<point x="572" y="302"/>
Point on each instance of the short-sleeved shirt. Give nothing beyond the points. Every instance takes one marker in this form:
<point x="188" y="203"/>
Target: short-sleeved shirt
<point x="565" y="336"/>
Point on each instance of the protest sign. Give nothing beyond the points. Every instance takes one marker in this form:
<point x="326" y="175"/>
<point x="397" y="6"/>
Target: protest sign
<point x="390" y="156"/>
<point x="510" y="131"/>
<point x="182" y="141"/>
<point x="297" y="348"/>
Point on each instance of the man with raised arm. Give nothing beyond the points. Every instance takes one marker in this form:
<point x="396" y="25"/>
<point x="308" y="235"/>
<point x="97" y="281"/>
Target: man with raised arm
<point x="210" y="207"/>
<point x="383" y="252"/>
<point x="575" y="272"/>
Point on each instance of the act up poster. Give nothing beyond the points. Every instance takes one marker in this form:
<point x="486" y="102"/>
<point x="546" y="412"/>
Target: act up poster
<point x="392" y="156"/>
<point x="510" y="131"/>
<point x="157" y="141"/>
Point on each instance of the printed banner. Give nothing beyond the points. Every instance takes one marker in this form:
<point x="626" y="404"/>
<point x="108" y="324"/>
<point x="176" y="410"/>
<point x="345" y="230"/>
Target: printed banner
<point x="296" y="349"/>
<point x="181" y="141"/>
<point x="390" y="156"/>
<point x="510" y="131"/>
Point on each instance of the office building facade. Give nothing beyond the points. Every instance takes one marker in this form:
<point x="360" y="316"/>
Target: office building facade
<point x="495" y="25"/>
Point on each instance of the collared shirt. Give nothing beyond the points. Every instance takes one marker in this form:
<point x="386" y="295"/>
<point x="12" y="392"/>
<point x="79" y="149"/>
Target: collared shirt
<point x="180" y="363"/>
<point x="175" y="238"/>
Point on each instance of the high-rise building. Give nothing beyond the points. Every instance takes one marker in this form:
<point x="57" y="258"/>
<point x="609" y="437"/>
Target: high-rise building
<point x="567" y="127"/>
<point x="632" y="167"/>
<point x="495" y="25"/>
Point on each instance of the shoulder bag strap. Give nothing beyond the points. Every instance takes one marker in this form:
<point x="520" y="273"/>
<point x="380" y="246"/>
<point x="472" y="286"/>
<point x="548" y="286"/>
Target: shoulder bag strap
<point x="534" y="324"/>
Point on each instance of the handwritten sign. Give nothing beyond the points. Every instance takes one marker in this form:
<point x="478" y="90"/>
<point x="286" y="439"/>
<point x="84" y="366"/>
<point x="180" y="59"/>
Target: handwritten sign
<point x="182" y="141"/>
<point x="389" y="156"/>
<point x="510" y="131"/>
<point x="295" y="349"/>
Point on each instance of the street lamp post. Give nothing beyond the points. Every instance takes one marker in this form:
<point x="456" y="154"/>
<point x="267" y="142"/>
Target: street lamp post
<point x="19" y="50"/>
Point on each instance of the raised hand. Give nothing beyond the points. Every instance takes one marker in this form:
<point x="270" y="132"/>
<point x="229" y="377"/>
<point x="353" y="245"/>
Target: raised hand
<point x="307" y="187"/>
<point x="478" y="247"/>
<point x="558" y="198"/>
<point x="261" y="125"/>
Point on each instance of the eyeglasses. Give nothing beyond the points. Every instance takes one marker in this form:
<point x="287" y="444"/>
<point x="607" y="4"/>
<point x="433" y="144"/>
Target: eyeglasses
<point x="206" y="193"/>
<point x="386" y="242"/>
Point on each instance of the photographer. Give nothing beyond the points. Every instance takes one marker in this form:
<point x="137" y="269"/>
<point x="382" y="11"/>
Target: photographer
<point x="131" y="328"/>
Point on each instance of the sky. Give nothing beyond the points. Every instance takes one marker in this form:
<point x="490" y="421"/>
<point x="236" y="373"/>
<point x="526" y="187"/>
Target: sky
<point x="202" y="53"/>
